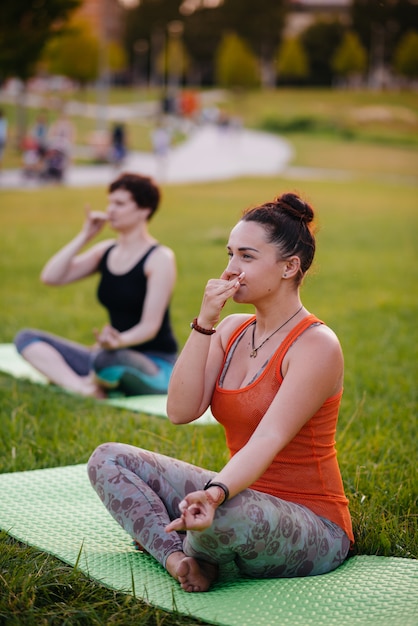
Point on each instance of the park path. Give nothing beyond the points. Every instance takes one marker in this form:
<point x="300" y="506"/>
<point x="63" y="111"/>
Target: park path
<point x="210" y="153"/>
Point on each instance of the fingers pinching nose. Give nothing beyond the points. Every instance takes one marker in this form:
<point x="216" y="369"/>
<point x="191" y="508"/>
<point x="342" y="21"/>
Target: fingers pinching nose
<point x="239" y="279"/>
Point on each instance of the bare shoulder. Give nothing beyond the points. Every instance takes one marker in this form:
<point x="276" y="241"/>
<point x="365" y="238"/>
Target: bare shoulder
<point x="321" y="338"/>
<point x="324" y="335"/>
<point x="318" y="355"/>
<point x="99" y="248"/>
<point x="162" y="256"/>
<point x="163" y="252"/>
<point x="318" y="345"/>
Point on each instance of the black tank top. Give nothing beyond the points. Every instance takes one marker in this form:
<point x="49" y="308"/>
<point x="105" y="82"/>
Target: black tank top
<point x="123" y="296"/>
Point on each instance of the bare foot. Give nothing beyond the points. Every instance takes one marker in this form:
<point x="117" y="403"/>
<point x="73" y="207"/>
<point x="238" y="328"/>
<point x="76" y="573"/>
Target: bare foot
<point x="193" y="575"/>
<point x="89" y="387"/>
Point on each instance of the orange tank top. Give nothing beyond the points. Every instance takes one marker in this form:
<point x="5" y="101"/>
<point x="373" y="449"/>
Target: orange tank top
<point x="306" y="471"/>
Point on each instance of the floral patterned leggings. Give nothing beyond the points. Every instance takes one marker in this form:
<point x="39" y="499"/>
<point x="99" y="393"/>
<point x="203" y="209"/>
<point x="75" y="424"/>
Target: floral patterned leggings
<point x="265" y="536"/>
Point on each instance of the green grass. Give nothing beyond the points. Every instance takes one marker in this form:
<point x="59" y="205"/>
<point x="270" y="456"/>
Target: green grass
<point x="363" y="285"/>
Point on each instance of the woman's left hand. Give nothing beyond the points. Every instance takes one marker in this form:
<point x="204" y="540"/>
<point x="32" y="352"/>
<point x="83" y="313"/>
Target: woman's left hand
<point x="108" y="338"/>
<point x="197" y="513"/>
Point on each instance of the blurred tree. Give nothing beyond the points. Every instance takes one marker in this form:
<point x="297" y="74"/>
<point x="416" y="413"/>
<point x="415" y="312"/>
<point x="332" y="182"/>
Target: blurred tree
<point x="118" y="59"/>
<point x="380" y="25"/>
<point x="173" y="61"/>
<point x="260" y="24"/>
<point x="406" y="56"/>
<point x="74" y="54"/>
<point x="25" y="27"/>
<point x="320" y="41"/>
<point x="350" y="58"/>
<point x="202" y="35"/>
<point x="149" y="22"/>
<point x="292" y="63"/>
<point x="236" y="65"/>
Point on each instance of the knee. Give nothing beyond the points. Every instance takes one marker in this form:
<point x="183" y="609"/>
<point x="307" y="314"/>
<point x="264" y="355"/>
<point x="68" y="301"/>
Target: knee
<point x="104" y="455"/>
<point x="97" y="458"/>
<point x="24" y="338"/>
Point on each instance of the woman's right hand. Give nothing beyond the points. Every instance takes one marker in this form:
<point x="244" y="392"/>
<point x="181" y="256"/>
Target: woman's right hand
<point x="217" y="292"/>
<point x="197" y="367"/>
<point x="94" y="222"/>
<point x="69" y="263"/>
<point x="197" y="511"/>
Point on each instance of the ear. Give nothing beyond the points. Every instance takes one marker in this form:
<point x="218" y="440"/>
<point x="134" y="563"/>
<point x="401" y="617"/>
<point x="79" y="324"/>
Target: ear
<point x="147" y="212"/>
<point x="292" y="267"/>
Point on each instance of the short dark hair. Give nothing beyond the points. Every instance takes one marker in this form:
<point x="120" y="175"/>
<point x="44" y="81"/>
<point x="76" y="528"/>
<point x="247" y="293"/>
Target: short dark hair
<point x="288" y="221"/>
<point x="144" y="190"/>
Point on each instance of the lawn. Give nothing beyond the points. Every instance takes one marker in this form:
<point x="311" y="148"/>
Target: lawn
<point x="363" y="285"/>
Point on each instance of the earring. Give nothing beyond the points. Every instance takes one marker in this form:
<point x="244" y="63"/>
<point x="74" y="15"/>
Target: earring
<point x="285" y="275"/>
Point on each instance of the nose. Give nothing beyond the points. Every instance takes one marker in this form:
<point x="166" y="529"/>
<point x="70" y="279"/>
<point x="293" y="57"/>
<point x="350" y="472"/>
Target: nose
<point x="232" y="269"/>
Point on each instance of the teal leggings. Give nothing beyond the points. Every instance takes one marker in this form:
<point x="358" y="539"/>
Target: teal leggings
<point x="118" y="369"/>
<point x="265" y="536"/>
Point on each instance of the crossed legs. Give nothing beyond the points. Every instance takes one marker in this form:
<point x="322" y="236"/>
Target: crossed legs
<point x="264" y="535"/>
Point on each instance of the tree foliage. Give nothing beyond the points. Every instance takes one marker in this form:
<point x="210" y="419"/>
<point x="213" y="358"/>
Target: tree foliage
<point x="117" y="57"/>
<point x="406" y="55"/>
<point x="381" y="25"/>
<point x="292" y="62"/>
<point x="236" y="65"/>
<point x="350" y="57"/>
<point x="259" y="23"/>
<point x="203" y="33"/>
<point x="74" y="54"/>
<point x="320" y="41"/>
<point x="173" y="61"/>
<point x="149" y="18"/>
<point x="25" y="28"/>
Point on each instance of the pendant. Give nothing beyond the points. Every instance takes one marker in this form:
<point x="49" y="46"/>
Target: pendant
<point x="253" y="353"/>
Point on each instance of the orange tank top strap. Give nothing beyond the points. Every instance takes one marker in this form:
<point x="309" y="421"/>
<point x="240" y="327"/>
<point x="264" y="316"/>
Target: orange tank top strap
<point x="294" y="334"/>
<point x="240" y="329"/>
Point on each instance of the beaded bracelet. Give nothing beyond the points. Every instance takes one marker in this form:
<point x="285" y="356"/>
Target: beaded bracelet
<point x="204" y="331"/>
<point x="221" y="486"/>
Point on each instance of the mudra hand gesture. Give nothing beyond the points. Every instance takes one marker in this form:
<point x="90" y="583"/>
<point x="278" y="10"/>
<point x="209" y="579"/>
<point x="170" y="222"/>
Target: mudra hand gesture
<point x="197" y="510"/>
<point x="108" y="338"/>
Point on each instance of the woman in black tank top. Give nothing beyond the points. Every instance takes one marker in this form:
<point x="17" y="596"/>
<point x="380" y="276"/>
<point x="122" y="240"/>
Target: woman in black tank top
<point x="135" y="352"/>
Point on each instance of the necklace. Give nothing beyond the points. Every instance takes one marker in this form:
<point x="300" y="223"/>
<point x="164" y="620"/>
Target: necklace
<point x="254" y="350"/>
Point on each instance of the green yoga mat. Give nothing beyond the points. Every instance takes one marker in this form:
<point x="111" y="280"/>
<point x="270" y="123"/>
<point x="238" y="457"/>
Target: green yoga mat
<point x="57" y="511"/>
<point x="13" y="364"/>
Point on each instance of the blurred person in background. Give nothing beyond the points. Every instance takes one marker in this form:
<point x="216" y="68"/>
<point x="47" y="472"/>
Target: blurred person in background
<point x="135" y="352"/>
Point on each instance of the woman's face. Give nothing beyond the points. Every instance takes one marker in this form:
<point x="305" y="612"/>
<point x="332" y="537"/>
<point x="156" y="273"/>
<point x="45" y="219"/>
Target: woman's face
<point x="122" y="210"/>
<point x="249" y="252"/>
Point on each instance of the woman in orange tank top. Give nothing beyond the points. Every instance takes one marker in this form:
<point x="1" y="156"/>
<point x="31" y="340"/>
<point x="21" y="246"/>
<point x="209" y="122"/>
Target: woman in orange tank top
<point x="274" y="381"/>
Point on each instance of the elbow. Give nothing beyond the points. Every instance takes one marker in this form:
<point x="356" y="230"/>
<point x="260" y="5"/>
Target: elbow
<point x="174" y="416"/>
<point x="47" y="280"/>
<point x="175" y="420"/>
<point x="177" y="416"/>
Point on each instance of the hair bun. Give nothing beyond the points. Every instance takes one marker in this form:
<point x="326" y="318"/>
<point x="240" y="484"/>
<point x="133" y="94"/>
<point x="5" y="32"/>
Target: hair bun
<point x="295" y="207"/>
